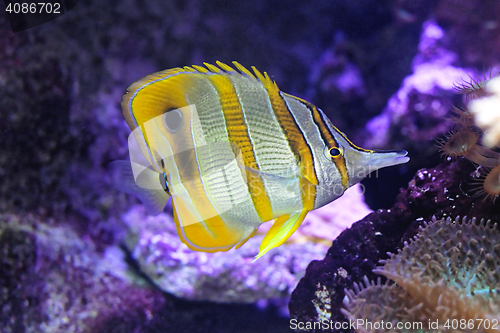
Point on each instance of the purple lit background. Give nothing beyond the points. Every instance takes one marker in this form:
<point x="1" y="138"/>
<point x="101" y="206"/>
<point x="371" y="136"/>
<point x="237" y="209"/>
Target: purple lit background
<point x="382" y="71"/>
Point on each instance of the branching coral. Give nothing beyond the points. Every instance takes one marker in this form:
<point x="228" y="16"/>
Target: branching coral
<point x="451" y="270"/>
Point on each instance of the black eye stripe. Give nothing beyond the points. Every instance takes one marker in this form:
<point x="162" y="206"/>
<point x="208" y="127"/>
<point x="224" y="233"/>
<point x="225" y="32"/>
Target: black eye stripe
<point x="335" y="152"/>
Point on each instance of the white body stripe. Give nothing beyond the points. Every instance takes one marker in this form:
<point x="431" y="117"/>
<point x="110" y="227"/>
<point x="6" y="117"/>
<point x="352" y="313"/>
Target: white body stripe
<point x="222" y="177"/>
<point x="272" y="152"/>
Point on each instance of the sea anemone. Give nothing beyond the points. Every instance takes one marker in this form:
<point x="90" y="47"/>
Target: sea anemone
<point x="483" y="156"/>
<point x="475" y="88"/>
<point x="468" y="140"/>
<point x="464" y="118"/>
<point x="458" y="142"/>
<point x="492" y="182"/>
<point x="489" y="184"/>
<point x="449" y="271"/>
<point x="376" y="302"/>
<point x="464" y="142"/>
<point x="486" y="112"/>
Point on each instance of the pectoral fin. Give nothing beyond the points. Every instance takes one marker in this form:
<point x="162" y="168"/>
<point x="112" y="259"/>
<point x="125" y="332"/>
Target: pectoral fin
<point x="146" y="187"/>
<point x="282" y="229"/>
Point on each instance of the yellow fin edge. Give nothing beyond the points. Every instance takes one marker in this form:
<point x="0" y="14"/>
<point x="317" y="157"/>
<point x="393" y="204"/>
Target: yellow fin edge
<point x="283" y="227"/>
<point x="221" y="67"/>
<point x="211" y="235"/>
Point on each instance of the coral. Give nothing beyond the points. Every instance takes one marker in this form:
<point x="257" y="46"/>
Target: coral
<point x="450" y="270"/>
<point x="55" y="280"/>
<point x="459" y="142"/>
<point x="491" y="184"/>
<point x="217" y="277"/>
<point x="474" y="88"/>
<point x="468" y="141"/>
<point x="446" y="190"/>
<point x="388" y="303"/>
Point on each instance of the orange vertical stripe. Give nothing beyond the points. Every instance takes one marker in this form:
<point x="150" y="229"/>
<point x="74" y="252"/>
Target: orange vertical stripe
<point x="238" y="134"/>
<point x="296" y="141"/>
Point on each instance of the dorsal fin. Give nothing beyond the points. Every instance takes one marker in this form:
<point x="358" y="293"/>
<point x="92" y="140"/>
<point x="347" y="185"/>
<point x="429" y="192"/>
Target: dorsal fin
<point x="265" y="79"/>
<point x="212" y="68"/>
<point x="208" y="69"/>
<point x="200" y="69"/>
<point x="240" y="69"/>
<point x="224" y="67"/>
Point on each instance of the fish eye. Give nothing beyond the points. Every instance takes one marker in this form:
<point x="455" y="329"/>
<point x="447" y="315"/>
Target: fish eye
<point x="335" y="152"/>
<point x="173" y="120"/>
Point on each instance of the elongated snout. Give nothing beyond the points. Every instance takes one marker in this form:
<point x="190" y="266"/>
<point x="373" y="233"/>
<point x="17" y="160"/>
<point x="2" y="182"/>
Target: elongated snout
<point x="362" y="163"/>
<point x="384" y="158"/>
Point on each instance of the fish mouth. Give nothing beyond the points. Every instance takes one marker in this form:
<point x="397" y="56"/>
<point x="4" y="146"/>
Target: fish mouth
<point x="384" y="158"/>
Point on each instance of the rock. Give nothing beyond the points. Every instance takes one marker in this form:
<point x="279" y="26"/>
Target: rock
<point x="54" y="281"/>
